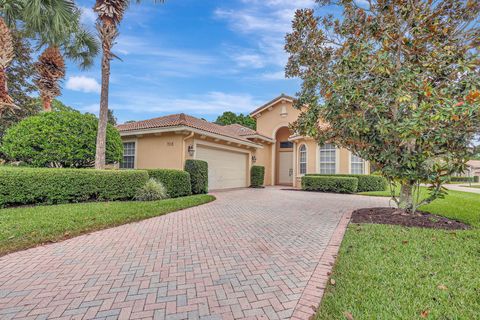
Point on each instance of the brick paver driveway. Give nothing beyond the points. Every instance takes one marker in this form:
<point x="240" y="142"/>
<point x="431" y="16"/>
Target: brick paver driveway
<point x="249" y="254"/>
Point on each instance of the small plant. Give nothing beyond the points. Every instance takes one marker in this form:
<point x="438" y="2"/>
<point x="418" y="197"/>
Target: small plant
<point x="151" y="191"/>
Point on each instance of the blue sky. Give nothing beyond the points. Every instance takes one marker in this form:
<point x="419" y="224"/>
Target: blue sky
<point x="198" y="57"/>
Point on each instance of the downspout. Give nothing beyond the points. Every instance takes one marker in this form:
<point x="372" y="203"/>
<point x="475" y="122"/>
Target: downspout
<point x="191" y="135"/>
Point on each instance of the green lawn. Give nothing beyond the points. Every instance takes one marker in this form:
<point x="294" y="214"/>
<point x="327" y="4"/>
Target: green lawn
<point x="26" y="227"/>
<point x="392" y="272"/>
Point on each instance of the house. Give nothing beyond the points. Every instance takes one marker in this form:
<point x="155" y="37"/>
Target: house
<point x="166" y="142"/>
<point x="473" y="168"/>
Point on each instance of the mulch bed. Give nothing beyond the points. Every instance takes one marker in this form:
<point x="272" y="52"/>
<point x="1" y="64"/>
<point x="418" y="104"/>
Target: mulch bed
<point x="399" y="217"/>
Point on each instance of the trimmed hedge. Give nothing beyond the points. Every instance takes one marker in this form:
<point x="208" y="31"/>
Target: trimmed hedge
<point x="198" y="171"/>
<point x="330" y="184"/>
<point x="465" y="179"/>
<point x="366" y="182"/>
<point x="257" y="176"/>
<point x="177" y="182"/>
<point x="20" y="186"/>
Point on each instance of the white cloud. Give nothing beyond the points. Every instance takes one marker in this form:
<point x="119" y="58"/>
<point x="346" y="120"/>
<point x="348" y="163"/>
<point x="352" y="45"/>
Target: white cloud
<point x="88" y="17"/>
<point x="84" y="84"/>
<point x="279" y="75"/>
<point x="210" y="104"/>
<point x="264" y="23"/>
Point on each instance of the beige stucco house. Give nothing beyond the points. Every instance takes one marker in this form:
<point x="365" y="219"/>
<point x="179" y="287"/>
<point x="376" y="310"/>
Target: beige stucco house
<point x="231" y="151"/>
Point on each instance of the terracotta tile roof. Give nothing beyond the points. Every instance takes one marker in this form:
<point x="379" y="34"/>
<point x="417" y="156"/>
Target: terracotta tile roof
<point x="178" y="120"/>
<point x="282" y="96"/>
<point x="244" y="131"/>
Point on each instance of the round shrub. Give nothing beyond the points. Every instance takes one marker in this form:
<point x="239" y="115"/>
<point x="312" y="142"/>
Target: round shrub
<point x="198" y="171"/>
<point x="257" y="176"/>
<point x="59" y="139"/>
<point x="151" y="191"/>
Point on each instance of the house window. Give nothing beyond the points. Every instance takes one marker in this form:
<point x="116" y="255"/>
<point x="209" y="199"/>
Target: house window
<point x="128" y="156"/>
<point x="357" y="165"/>
<point x="303" y="159"/>
<point x="286" y="145"/>
<point x="328" y="159"/>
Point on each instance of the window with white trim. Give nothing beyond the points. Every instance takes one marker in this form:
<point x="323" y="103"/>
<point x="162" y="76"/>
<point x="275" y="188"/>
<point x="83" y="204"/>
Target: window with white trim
<point x="357" y="165"/>
<point x="303" y="159"/>
<point x="128" y="161"/>
<point x="328" y="159"/>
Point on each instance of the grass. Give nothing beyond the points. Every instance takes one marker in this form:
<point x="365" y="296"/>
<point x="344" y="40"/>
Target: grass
<point x="393" y="272"/>
<point x="27" y="227"/>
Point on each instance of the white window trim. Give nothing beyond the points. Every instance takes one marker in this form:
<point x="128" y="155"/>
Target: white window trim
<point x="300" y="174"/>
<point x="350" y="162"/>
<point x="337" y="159"/>
<point x="135" y="155"/>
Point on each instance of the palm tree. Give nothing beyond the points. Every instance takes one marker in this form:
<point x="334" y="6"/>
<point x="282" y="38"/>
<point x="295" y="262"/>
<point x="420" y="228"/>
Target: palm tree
<point x="6" y="56"/>
<point x="71" y="41"/>
<point x="110" y="14"/>
<point x="56" y="23"/>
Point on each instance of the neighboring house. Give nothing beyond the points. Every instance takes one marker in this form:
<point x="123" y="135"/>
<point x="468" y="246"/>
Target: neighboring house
<point x="230" y="151"/>
<point x="473" y="168"/>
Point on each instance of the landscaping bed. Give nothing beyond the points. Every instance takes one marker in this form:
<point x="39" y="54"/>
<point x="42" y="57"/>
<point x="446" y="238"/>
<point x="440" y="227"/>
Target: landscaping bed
<point x="399" y="217"/>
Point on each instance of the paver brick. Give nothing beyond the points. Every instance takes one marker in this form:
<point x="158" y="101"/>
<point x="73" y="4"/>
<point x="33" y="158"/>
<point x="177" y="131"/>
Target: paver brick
<point x="252" y="254"/>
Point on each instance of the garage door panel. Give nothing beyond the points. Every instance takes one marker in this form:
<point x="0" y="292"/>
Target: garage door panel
<point x="226" y="169"/>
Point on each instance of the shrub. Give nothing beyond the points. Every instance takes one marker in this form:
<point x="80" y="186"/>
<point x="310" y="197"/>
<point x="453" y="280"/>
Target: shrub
<point x="330" y="184"/>
<point x="177" y="182"/>
<point x="257" y="176"/>
<point x="198" y="171"/>
<point x="366" y="182"/>
<point x="463" y="179"/>
<point x="59" y="139"/>
<point x="19" y="186"/>
<point x="151" y="191"/>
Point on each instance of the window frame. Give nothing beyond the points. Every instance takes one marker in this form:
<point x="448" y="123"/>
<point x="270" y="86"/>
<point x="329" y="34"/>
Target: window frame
<point x="329" y="163"/>
<point x="352" y="163"/>
<point x="134" y="155"/>
<point x="302" y="152"/>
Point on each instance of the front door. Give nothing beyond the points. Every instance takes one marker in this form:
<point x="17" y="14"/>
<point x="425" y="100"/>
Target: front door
<point x="285" y="169"/>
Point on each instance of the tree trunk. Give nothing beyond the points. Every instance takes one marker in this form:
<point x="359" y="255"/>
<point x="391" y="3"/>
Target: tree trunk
<point x="406" y="197"/>
<point x="4" y="97"/>
<point x="47" y="104"/>
<point x="103" y="116"/>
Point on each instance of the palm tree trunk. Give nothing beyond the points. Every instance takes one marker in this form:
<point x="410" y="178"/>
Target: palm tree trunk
<point x="47" y="104"/>
<point x="108" y="33"/>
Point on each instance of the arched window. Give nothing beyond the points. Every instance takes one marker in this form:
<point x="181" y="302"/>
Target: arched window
<point x="357" y="165"/>
<point x="328" y="159"/>
<point x="303" y="159"/>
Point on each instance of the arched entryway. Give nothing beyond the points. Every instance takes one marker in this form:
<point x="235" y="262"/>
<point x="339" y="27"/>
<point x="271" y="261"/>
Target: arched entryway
<point x="284" y="157"/>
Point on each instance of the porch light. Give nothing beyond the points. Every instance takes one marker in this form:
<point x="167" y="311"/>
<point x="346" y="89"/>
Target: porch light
<point x="254" y="159"/>
<point x="191" y="150"/>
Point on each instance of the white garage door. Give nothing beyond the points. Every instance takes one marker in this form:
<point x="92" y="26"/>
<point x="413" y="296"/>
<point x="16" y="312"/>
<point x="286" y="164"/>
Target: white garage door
<point x="226" y="169"/>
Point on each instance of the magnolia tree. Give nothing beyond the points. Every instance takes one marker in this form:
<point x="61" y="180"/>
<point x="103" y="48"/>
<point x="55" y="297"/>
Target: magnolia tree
<point x="396" y="82"/>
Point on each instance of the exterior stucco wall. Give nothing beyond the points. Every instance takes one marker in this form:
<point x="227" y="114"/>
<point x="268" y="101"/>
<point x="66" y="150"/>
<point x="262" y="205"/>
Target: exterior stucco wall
<point x="164" y="151"/>
<point x="264" y="158"/>
<point x="279" y="115"/>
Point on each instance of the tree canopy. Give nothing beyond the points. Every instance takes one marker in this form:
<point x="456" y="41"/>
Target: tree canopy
<point x="229" y="117"/>
<point x="396" y="82"/>
<point x="59" y="139"/>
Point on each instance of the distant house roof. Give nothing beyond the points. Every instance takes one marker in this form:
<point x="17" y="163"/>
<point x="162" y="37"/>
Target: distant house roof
<point x="474" y="163"/>
<point x="271" y="103"/>
<point x="236" y="131"/>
